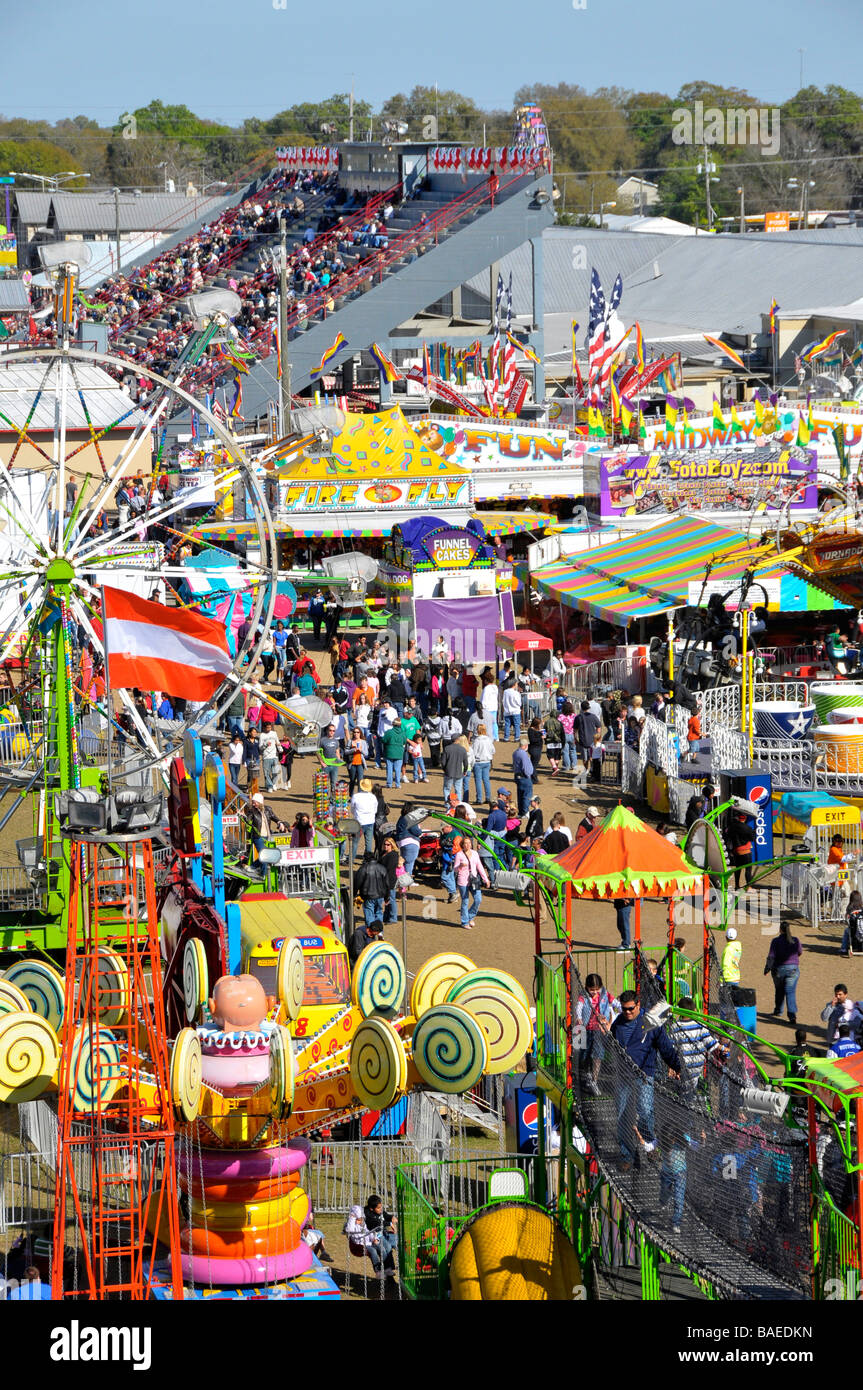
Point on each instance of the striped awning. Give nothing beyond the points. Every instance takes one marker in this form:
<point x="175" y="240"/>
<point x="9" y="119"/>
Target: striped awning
<point x="514" y="523"/>
<point x="646" y="573"/>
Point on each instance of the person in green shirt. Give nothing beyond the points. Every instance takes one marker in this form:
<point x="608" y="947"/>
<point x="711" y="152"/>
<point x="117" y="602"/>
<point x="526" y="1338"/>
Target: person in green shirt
<point x="394" y="741"/>
<point x="306" y="685"/>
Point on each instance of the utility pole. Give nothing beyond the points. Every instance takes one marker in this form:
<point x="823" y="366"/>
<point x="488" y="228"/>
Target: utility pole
<point x="351" y="123"/>
<point x="284" y="363"/>
<point x="707" y="191"/>
<point x="742" y="209"/>
<point x="115" y="195"/>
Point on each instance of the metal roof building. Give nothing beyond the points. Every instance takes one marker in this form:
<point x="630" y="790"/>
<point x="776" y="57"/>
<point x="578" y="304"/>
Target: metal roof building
<point x="680" y="287"/>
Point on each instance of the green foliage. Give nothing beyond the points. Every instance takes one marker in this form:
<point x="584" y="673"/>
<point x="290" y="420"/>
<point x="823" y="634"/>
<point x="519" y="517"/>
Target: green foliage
<point x="598" y="139"/>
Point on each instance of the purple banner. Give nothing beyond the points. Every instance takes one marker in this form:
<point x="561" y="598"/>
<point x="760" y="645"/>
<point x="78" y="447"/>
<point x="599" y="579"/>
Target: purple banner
<point x="467" y="625"/>
<point x="729" y="480"/>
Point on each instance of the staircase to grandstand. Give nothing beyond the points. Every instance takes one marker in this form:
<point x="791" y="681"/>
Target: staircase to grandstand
<point x="435" y="239"/>
<point x="436" y="242"/>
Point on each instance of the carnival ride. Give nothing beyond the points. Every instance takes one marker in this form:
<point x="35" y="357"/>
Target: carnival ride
<point x="70" y="426"/>
<point x="225" y="1100"/>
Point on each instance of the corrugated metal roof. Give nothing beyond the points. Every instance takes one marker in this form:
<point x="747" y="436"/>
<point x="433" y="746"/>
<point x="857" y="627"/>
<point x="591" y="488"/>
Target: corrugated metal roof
<point x="143" y="212"/>
<point x="33" y="208"/>
<point x="679" y="286"/>
<point x="107" y="403"/>
<point x="14" y="297"/>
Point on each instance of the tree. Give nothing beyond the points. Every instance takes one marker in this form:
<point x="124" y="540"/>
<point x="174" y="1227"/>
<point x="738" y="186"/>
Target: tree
<point x="459" y="119"/>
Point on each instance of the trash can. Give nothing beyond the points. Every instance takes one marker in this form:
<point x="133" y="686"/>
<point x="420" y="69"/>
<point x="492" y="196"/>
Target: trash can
<point x="745" y="1007"/>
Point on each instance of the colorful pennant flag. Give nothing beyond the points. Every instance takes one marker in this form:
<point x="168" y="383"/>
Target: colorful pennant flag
<point x="773" y="307"/>
<point x="818" y="349"/>
<point x="718" y="418"/>
<point x="723" y="347"/>
<point x="385" y="365"/>
<point x="670" y="414"/>
<point x="736" y="423"/>
<point x="639" y="348"/>
<point x="627" y="410"/>
<point x="331" y="352"/>
<point x="642" y="428"/>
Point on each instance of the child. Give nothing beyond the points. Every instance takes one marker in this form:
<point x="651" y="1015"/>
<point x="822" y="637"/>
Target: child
<point x="693" y="734"/>
<point x="415" y="749"/>
<point x="597" y="757"/>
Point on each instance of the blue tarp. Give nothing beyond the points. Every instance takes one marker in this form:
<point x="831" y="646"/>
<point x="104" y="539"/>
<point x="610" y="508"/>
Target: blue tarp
<point x="800" y="805"/>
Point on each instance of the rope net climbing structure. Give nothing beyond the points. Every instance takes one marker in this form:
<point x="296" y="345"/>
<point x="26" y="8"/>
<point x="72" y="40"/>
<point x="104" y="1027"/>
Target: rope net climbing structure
<point x="666" y="1111"/>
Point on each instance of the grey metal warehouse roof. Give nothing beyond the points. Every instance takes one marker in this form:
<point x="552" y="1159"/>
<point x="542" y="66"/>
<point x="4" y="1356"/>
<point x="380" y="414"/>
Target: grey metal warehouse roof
<point x="33" y="208"/>
<point x="142" y="212"/>
<point x="14" y="297"/>
<point x="678" y="286"/>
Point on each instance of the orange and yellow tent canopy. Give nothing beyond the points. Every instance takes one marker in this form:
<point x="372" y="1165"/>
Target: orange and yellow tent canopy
<point x="624" y="858"/>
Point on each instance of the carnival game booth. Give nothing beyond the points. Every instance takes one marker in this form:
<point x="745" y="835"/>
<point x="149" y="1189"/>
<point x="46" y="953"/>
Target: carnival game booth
<point x="448" y="581"/>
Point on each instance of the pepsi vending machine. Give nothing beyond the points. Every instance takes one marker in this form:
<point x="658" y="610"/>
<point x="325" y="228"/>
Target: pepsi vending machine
<point x="756" y="787"/>
<point x="521" y="1114"/>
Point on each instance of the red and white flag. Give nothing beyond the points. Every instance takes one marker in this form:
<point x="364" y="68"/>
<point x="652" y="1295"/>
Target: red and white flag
<point x="169" y="649"/>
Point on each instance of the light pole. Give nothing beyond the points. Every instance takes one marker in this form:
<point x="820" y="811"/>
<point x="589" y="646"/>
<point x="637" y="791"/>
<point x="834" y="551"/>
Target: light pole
<point x="602" y="208"/>
<point x="742" y="209"/>
<point x="52" y="179"/>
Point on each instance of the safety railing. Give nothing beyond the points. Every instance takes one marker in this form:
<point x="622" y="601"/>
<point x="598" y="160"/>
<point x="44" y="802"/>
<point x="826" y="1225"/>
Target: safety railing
<point x="836" y="1275"/>
<point x="435" y="1200"/>
<point x="551" y="1016"/>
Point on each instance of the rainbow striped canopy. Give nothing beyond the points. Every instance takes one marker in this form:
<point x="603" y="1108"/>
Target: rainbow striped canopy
<point x="647" y="573"/>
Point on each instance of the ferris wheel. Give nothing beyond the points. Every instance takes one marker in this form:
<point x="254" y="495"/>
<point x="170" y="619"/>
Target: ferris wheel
<point x="70" y="439"/>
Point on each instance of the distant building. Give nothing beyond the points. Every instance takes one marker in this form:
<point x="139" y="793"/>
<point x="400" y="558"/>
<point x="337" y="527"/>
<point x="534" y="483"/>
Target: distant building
<point x="636" y="195"/>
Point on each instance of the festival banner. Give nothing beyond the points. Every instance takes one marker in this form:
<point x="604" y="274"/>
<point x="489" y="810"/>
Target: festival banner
<point x="730" y="480"/>
<point x="383" y="495"/>
<point x="323" y="157"/>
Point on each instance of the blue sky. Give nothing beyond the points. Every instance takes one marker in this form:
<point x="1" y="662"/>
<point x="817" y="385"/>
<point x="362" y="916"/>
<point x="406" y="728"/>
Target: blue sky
<point x="227" y="59"/>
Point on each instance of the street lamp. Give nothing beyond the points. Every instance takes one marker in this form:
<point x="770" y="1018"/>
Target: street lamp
<point x="602" y="208"/>
<point x="742" y="211"/>
<point x="52" y="179"/>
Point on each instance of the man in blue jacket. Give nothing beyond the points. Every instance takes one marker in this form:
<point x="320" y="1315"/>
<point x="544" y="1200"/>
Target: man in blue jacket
<point x="642" y="1044"/>
<point x="522" y="771"/>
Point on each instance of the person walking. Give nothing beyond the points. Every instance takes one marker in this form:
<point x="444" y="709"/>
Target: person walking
<point x="252" y="760"/>
<point x="522" y="771"/>
<point x="642" y="1044"/>
<point x="586" y="725"/>
<point x="393" y="742"/>
<point x="783" y="963"/>
<point x="371" y="883"/>
<point x="470" y="875"/>
<point x="623" y="908"/>
<point x="454" y="764"/>
<point x="489" y="702"/>
<point x="511" y="712"/>
<point x="483" y="756"/>
<point x="270" y="748"/>
<point x="730" y="965"/>
<point x="553" y="742"/>
<point x="535" y="742"/>
<point x="364" y="809"/>
<point x="236" y="757"/>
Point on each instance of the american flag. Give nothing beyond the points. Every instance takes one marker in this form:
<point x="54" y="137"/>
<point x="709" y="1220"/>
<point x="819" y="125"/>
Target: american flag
<point x="495" y="365"/>
<point x="509" y="349"/>
<point x="218" y="412"/>
<point x="604" y="335"/>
